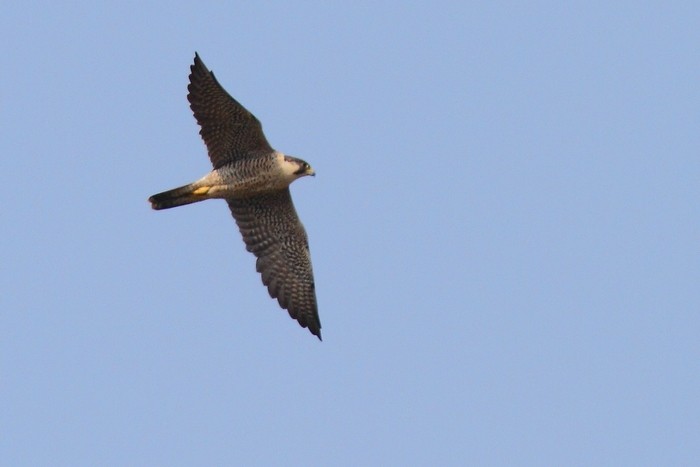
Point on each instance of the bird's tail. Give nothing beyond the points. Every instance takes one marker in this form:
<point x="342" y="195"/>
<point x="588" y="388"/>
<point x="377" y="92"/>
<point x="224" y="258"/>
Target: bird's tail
<point x="187" y="194"/>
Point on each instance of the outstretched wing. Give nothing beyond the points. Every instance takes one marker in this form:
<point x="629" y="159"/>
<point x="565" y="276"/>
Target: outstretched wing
<point x="227" y="128"/>
<point x="272" y="231"/>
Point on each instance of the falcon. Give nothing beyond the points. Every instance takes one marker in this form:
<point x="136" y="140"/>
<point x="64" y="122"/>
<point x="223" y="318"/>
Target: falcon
<point x="254" y="180"/>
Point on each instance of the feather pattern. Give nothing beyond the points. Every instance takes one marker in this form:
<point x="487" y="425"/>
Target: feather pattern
<point x="229" y="131"/>
<point x="273" y="233"/>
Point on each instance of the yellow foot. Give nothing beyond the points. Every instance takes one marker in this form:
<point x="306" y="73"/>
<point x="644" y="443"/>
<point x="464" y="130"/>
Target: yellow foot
<point x="203" y="190"/>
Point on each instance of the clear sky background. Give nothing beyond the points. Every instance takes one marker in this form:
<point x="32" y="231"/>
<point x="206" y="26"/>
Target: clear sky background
<point x="505" y="232"/>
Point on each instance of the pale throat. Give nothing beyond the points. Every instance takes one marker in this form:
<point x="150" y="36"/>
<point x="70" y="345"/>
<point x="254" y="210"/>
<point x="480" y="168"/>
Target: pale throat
<point x="287" y="169"/>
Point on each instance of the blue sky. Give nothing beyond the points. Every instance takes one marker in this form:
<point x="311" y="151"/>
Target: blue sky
<point x="504" y="230"/>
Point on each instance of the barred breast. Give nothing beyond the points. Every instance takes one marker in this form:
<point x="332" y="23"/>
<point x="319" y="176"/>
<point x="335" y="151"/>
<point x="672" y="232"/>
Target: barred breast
<point x="249" y="177"/>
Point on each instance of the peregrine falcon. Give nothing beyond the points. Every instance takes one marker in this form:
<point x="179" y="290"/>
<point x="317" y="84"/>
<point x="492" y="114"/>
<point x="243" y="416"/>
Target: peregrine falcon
<point x="254" y="180"/>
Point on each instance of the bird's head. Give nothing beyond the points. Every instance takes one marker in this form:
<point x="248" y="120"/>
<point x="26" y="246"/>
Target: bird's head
<point x="298" y="167"/>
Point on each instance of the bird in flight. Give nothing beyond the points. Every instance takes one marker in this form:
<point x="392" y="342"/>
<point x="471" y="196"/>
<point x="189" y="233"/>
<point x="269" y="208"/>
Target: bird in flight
<point x="254" y="180"/>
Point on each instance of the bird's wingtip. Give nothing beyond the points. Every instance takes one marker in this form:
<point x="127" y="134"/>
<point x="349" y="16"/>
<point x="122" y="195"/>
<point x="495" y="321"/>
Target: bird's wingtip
<point x="197" y="60"/>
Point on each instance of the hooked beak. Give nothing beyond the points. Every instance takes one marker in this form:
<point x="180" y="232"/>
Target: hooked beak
<point x="311" y="172"/>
